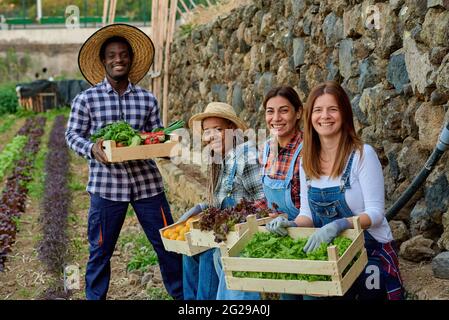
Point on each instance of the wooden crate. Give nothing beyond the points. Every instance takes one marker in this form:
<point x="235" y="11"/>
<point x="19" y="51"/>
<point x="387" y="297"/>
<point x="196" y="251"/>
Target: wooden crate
<point x="146" y="151"/>
<point x="183" y="247"/>
<point x="206" y="238"/>
<point x="334" y="267"/>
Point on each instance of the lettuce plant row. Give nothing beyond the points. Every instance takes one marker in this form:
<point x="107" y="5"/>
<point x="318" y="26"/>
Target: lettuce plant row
<point x="13" y="197"/>
<point x="52" y="249"/>
<point x="11" y="153"/>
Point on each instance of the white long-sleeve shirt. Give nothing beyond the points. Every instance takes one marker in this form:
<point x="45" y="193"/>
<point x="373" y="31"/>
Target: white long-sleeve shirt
<point x="366" y="194"/>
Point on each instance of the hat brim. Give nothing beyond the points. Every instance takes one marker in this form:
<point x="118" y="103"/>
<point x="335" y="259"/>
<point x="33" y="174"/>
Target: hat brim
<point x="201" y="116"/>
<point x="91" y="65"/>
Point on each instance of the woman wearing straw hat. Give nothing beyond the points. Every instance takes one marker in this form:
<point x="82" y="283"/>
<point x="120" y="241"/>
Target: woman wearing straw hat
<point x="234" y="175"/>
<point x="113" y="60"/>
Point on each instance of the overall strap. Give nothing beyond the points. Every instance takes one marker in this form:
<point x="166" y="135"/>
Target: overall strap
<point x="292" y="163"/>
<point x="344" y="182"/>
<point x="231" y="176"/>
<point x="266" y="152"/>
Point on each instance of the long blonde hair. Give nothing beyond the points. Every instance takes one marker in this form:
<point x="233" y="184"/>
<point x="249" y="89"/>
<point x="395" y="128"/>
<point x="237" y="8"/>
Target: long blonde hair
<point x="349" y="140"/>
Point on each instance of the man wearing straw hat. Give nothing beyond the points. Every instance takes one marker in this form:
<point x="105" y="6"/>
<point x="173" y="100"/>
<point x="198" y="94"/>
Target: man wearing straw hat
<point x="113" y="60"/>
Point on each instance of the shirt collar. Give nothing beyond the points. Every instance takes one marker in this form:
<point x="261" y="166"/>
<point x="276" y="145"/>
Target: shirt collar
<point x="107" y="86"/>
<point x="293" y="143"/>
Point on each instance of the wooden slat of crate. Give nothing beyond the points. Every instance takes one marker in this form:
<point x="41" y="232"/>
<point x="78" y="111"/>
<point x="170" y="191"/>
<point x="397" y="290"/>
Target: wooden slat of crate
<point x="282" y="265"/>
<point x="323" y="288"/>
<point x="147" y="151"/>
<point x="356" y="246"/>
<point x="336" y="287"/>
<point x="207" y="238"/>
<point x="354" y="272"/>
<point x="183" y="247"/>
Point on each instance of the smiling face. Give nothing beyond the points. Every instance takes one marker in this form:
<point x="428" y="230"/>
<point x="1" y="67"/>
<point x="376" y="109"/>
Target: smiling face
<point x="117" y="61"/>
<point x="281" y="117"/>
<point x="214" y="134"/>
<point x="326" y="116"/>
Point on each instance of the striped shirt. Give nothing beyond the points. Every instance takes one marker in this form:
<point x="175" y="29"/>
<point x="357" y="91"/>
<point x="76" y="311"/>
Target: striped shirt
<point x="278" y="164"/>
<point x="98" y="106"/>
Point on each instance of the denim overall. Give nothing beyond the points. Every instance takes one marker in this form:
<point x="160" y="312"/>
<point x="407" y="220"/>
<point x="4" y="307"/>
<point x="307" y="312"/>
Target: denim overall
<point x="329" y="204"/>
<point x="229" y="202"/>
<point x="279" y="192"/>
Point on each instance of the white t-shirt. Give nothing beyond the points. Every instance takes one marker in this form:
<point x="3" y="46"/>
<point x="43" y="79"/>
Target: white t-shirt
<point x="366" y="194"/>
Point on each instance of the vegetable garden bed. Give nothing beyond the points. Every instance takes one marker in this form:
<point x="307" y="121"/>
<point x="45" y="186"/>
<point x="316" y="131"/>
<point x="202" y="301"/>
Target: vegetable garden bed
<point x="13" y="198"/>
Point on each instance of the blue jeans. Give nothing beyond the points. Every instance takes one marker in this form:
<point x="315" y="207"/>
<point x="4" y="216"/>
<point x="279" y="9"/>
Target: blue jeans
<point x="105" y="221"/>
<point x="200" y="280"/>
<point x="223" y="292"/>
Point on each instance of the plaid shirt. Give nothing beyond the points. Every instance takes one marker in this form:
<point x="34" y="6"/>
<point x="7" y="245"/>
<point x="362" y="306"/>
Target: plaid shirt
<point x="247" y="182"/>
<point x="277" y="165"/>
<point x="98" y="106"/>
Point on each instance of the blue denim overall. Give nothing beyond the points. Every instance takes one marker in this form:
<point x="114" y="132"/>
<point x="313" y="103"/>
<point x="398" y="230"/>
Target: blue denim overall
<point x="224" y="293"/>
<point x="279" y="192"/>
<point x="329" y="204"/>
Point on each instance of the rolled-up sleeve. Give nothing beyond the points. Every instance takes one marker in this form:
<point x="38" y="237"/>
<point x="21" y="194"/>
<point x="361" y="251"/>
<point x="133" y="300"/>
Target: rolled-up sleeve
<point x="78" y="128"/>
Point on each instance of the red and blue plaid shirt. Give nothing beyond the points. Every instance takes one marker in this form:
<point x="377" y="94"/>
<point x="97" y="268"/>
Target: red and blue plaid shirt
<point x="278" y="164"/>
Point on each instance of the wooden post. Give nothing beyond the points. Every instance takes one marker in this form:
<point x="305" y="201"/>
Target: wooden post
<point x="105" y="12"/>
<point x="112" y="11"/>
<point x="184" y="6"/>
<point x="170" y="31"/>
<point x="163" y="14"/>
<point x="182" y="14"/>
<point x="192" y="3"/>
<point x="153" y="18"/>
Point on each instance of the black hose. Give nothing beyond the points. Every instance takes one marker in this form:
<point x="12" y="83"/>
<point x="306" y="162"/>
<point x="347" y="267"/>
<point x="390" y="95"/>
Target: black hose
<point x="441" y="147"/>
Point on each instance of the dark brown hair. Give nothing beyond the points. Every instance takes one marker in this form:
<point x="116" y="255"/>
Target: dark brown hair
<point x="312" y="145"/>
<point x="288" y="93"/>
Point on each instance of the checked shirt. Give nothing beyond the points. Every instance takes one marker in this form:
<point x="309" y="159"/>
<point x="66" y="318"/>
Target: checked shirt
<point x="98" y="106"/>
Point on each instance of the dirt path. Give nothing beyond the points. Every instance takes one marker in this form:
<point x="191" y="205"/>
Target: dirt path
<point x="420" y="283"/>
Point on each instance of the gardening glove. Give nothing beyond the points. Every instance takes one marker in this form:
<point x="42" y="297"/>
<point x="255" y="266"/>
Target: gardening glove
<point x="98" y="153"/>
<point x="279" y="225"/>
<point x="193" y="211"/>
<point x="326" y="234"/>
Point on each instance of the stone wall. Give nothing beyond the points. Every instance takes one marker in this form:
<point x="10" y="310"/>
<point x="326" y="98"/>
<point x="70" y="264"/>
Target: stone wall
<point x="392" y="57"/>
<point x="182" y="190"/>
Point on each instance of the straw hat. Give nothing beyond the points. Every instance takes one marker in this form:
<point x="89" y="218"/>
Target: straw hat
<point x="89" y="56"/>
<point x="220" y="110"/>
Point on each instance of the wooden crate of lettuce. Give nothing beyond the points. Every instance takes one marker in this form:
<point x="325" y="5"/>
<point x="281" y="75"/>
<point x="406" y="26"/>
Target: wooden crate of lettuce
<point x="123" y="143"/>
<point x="217" y="226"/>
<point x="253" y="263"/>
<point x="176" y="238"/>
